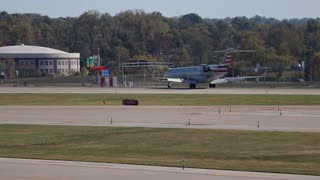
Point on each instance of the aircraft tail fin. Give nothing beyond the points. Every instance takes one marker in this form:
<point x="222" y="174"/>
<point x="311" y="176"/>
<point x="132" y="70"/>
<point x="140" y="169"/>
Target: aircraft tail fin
<point x="228" y="56"/>
<point x="225" y="66"/>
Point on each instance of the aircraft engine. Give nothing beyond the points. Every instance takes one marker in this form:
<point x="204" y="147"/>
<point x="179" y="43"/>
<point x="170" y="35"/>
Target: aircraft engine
<point x="206" y="68"/>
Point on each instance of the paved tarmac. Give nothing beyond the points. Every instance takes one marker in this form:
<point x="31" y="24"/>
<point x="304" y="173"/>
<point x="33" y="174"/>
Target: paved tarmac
<point x="157" y="90"/>
<point x="27" y="169"/>
<point x="268" y="118"/>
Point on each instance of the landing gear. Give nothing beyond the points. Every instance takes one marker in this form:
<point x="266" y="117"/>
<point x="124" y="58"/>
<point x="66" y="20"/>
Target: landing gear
<point x="169" y="85"/>
<point x="192" y="86"/>
<point x="212" y="85"/>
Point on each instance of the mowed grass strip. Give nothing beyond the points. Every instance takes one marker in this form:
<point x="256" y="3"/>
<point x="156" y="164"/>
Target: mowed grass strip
<point x="283" y="152"/>
<point x="157" y="99"/>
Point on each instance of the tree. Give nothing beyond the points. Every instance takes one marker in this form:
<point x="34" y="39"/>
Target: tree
<point x="200" y="53"/>
<point x="191" y="19"/>
<point x="316" y="67"/>
<point x="183" y="58"/>
<point x="312" y="34"/>
<point x="184" y="40"/>
<point x="84" y="71"/>
<point x="221" y="34"/>
<point x="121" y="54"/>
<point x="20" y="31"/>
<point x="242" y="23"/>
<point x="87" y="33"/>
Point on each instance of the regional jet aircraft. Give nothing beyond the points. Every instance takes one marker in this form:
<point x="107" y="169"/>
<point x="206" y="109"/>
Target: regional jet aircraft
<point x="212" y="74"/>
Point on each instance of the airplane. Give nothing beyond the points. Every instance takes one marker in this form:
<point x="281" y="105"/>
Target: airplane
<point x="212" y="74"/>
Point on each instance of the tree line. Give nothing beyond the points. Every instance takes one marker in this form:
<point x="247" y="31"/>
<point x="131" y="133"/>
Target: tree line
<point x="184" y="40"/>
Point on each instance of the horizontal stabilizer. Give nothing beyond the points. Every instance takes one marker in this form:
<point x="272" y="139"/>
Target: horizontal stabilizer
<point x="233" y="79"/>
<point x="219" y="81"/>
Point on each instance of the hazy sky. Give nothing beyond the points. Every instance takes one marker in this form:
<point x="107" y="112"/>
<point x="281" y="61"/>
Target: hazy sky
<point x="280" y="9"/>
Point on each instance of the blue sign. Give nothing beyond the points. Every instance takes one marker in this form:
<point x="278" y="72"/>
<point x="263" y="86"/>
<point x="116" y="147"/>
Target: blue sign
<point x="105" y="73"/>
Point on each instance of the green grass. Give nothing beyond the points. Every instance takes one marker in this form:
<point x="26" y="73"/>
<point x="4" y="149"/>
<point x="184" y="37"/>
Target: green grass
<point x="157" y="99"/>
<point x="284" y="152"/>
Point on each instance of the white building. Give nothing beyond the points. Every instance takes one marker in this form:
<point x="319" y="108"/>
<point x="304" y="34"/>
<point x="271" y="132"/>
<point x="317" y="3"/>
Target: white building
<point x="36" y="60"/>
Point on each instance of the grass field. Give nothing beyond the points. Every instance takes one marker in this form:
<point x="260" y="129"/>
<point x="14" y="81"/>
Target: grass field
<point x="157" y="99"/>
<point x="285" y="152"/>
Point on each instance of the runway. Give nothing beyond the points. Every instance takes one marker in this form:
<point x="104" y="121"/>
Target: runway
<point x="267" y="118"/>
<point x="260" y="118"/>
<point x="25" y="169"/>
<point x="158" y="90"/>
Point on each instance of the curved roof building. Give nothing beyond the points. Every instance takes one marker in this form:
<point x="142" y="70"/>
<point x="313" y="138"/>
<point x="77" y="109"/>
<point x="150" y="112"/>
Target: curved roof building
<point x="35" y="60"/>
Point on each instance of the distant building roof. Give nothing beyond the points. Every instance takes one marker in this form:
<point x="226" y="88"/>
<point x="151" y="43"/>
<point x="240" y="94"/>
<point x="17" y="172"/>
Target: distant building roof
<point x="25" y="51"/>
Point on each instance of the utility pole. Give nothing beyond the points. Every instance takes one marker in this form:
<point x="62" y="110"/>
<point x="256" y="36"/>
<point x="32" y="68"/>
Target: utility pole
<point x="99" y="62"/>
<point x="310" y="67"/>
<point x="119" y="62"/>
<point x="124" y="81"/>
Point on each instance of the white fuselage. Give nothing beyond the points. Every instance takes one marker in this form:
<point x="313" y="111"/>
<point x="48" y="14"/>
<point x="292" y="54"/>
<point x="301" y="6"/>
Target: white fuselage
<point x="195" y="74"/>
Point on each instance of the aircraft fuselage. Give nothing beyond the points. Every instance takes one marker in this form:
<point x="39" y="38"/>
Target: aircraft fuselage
<point x="194" y="74"/>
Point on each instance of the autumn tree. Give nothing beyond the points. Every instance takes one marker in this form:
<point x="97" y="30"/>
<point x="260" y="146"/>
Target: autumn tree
<point x="185" y="40"/>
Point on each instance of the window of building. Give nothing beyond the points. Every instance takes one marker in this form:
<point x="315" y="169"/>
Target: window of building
<point x="46" y="63"/>
<point x="59" y="63"/>
<point x="50" y="63"/>
<point x="41" y="63"/>
<point x="51" y="71"/>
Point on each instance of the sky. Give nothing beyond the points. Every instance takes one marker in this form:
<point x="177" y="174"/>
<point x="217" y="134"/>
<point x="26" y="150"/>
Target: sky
<point x="279" y="9"/>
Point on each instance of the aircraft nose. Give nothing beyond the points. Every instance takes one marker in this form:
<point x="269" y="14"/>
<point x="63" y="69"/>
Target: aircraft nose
<point x="165" y="74"/>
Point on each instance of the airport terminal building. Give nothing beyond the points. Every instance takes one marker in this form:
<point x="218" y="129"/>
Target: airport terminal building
<point x="31" y="61"/>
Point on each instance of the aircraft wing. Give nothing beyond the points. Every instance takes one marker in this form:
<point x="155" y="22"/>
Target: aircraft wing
<point x="172" y="79"/>
<point x="233" y="79"/>
<point x="180" y="80"/>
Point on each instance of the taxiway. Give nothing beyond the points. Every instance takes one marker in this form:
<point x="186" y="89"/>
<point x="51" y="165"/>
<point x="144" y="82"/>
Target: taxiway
<point x="307" y="91"/>
<point x="268" y="118"/>
<point x="25" y="169"/>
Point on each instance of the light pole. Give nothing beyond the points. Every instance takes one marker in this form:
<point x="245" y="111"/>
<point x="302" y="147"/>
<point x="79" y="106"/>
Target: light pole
<point x="310" y="67"/>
